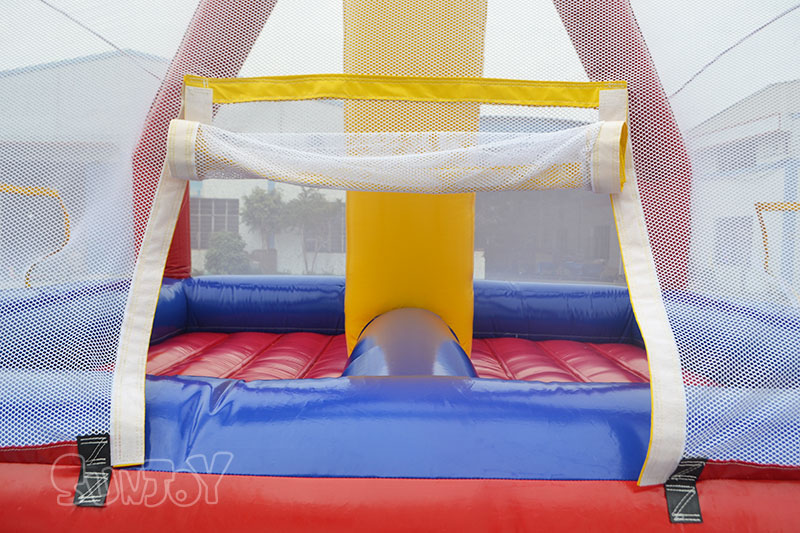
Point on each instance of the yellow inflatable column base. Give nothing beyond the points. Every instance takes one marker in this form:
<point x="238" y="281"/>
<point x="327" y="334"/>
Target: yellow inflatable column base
<point x="417" y="248"/>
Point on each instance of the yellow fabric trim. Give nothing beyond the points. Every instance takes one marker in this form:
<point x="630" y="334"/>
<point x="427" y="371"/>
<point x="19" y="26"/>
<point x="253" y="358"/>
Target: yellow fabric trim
<point x="762" y="207"/>
<point x="49" y="193"/>
<point x="405" y="88"/>
<point x="772" y="207"/>
<point x="624" y="143"/>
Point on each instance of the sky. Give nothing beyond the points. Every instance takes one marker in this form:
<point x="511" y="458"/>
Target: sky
<point x="525" y="39"/>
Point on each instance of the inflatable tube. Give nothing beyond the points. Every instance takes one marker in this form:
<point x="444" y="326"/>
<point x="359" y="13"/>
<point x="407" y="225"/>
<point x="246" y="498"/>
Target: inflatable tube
<point x="286" y="304"/>
<point x="408" y="342"/>
<point x="399" y="426"/>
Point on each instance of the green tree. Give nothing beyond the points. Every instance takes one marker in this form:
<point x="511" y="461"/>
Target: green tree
<point x="263" y="212"/>
<point x="319" y="222"/>
<point x="226" y="254"/>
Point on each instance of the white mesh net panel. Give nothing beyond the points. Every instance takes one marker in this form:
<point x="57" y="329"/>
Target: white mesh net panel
<point x="428" y="162"/>
<point x="67" y="225"/>
<point x="88" y="91"/>
<point x="80" y="158"/>
<point x="724" y="226"/>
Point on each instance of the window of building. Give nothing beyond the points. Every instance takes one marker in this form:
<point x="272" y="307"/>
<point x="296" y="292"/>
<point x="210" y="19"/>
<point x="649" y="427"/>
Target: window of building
<point x="733" y="240"/>
<point x="212" y="215"/>
<point x="738" y="155"/>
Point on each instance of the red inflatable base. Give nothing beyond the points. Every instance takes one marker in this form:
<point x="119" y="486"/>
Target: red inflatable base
<point x="39" y="498"/>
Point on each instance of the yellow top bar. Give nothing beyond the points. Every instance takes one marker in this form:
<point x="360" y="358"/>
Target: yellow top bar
<point x="413" y="89"/>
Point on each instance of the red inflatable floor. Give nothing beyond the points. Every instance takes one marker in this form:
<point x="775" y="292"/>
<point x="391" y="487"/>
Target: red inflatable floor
<point x="251" y="356"/>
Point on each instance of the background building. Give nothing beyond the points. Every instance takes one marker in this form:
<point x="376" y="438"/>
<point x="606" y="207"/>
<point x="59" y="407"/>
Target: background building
<point x="754" y="145"/>
<point x="553" y="235"/>
<point x="61" y="132"/>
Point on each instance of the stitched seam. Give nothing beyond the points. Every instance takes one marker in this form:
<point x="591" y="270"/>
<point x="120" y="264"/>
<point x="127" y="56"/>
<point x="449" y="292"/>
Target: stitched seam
<point x="751" y="465"/>
<point x="580" y="377"/>
<point x="139" y="468"/>
<point x="621" y="365"/>
<point x="507" y="371"/>
<point x="539" y="337"/>
<point x="430" y="80"/>
<point x="247" y="360"/>
<point x="38" y="447"/>
<point x="191" y="355"/>
<point x="277" y="330"/>
<point x="306" y="369"/>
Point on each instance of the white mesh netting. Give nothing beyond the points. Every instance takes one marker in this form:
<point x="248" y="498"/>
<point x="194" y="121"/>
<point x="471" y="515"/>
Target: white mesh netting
<point x="87" y="96"/>
<point x="425" y="162"/>
<point x="724" y="226"/>
<point x="723" y="142"/>
<point x="716" y="156"/>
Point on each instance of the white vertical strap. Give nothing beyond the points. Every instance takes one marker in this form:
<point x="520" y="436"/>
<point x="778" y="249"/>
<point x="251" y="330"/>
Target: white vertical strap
<point x="613" y="105"/>
<point x="181" y="142"/>
<point x="198" y="104"/>
<point x="197" y="109"/>
<point x="128" y="403"/>
<point x="128" y="394"/>
<point x="668" y="404"/>
<point x="608" y="157"/>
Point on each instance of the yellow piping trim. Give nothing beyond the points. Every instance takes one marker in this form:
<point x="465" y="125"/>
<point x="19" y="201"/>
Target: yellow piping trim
<point x="762" y="207"/>
<point x="623" y="148"/>
<point x="405" y="88"/>
<point x="771" y="207"/>
<point x="47" y="193"/>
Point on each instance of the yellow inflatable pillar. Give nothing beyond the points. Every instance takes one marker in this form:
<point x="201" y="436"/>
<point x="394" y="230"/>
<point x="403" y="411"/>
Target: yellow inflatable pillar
<point x="410" y="250"/>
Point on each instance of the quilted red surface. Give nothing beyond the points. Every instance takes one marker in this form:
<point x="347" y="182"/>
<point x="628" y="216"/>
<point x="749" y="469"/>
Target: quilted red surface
<point x="251" y="356"/>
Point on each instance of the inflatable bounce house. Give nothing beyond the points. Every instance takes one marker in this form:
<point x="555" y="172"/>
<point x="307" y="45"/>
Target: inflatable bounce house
<point x="429" y="382"/>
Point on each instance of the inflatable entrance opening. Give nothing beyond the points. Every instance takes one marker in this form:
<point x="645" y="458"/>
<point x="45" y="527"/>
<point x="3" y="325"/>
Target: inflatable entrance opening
<point x="447" y="250"/>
